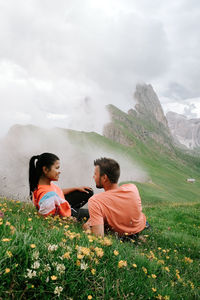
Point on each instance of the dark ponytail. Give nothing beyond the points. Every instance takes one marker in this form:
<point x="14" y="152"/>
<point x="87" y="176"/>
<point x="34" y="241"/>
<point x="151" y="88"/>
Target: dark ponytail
<point x="36" y="164"/>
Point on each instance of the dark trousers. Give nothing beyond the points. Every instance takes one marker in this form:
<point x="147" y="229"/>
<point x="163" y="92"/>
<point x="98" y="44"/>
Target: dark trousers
<point x="76" y="200"/>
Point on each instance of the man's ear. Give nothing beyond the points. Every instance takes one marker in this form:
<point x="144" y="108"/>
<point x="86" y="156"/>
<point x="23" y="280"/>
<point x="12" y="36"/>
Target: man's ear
<point x="105" y="177"/>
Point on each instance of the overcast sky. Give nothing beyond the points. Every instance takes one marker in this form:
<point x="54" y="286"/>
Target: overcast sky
<point x="61" y="61"/>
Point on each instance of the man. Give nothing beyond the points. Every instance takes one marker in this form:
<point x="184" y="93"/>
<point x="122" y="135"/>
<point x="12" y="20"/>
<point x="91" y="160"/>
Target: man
<point x="118" y="207"/>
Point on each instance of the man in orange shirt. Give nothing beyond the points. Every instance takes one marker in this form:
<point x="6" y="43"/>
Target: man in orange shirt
<point x="119" y="207"/>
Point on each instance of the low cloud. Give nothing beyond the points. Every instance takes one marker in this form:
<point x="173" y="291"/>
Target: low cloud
<point x="76" y="155"/>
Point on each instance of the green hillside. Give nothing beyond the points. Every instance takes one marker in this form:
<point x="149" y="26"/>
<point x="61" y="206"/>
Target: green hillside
<point x="52" y="258"/>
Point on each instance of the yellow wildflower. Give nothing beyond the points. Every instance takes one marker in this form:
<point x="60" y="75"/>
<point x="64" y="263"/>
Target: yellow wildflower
<point x="6" y="240"/>
<point x="66" y="255"/>
<point x="85" y="250"/>
<point x="122" y="263"/>
<point x="144" y="270"/>
<point x="7" y="223"/>
<point x="134" y="265"/>
<point x="7" y="270"/>
<point x="9" y="253"/>
<point x="188" y="260"/>
<point x="99" y="251"/>
<point x="93" y="271"/>
<point x="154" y="290"/>
<point x="191" y="284"/>
<point x="53" y="277"/>
<point x="89" y="297"/>
<point x="166" y="269"/>
<point x="12" y="228"/>
<point x="178" y="276"/>
<point x="161" y="261"/>
<point x="106" y="242"/>
<point x="116" y="252"/>
<point x="78" y="263"/>
<point x="153" y="276"/>
<point x="96" y="261"/>
<point x="29" y="219"/>
<point x="32" y="246"/>
<point x="80" y="256"/>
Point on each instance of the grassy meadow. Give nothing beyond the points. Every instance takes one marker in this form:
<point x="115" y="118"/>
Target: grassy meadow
<point x="53" y="258"/>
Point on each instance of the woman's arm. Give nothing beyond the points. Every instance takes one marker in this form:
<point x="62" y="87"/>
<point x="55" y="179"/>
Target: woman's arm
<point x="80" y="189"/>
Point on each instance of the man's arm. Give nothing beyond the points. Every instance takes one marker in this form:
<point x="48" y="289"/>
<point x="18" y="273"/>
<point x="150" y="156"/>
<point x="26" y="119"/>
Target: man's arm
<point x="96" y="218"/>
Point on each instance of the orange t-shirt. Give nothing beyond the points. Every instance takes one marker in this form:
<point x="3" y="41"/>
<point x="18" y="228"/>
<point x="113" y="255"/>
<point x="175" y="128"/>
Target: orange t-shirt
<point x="120" y="208"/>
<point x="50" y="200"/>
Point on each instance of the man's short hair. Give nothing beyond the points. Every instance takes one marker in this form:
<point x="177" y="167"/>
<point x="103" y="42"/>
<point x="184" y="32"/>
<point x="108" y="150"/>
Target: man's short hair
<point x="109" y="167"/>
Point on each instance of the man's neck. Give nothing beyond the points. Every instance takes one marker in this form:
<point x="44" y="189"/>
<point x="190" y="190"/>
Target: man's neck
<point x="110" y="186"/>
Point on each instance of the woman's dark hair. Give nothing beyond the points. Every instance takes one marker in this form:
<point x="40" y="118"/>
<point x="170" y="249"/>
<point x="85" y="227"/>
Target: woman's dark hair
<point x="109" y="167"/>
<point x="35" y="168"/>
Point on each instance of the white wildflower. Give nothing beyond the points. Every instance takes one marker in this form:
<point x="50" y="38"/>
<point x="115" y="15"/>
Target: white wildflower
<point x="35" y="255"/>
<point x="84" y="266"/>
<point x="52" y="248"/>
<point x="60" y="268"/>
<point x="47" y="268"/>
<point x="30" y="273"/>
<point x="36" y="265"/>
<point x="47" y="280"/>
<point x="58" y="290"/>
<point x="68" y="248"/>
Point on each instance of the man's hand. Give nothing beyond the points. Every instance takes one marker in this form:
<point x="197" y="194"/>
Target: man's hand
<point x="84" y="189"/>
<point x="86" y="226"/>
<point x="98" y="230"/>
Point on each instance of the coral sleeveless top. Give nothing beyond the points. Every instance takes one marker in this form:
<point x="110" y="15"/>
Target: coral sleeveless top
<point x="50" y="200"/>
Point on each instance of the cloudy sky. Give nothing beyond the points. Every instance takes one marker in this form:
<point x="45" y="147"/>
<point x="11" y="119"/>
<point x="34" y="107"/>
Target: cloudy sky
<point x="62" y="61"/>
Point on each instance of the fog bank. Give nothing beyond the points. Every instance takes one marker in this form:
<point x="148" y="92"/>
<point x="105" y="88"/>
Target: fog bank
<point x="75" y="150"/>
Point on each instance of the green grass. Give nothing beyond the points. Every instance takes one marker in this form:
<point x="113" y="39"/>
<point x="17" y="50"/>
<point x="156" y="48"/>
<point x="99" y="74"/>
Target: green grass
<point x="168" y="261"/>
<point x="171" y="252"/>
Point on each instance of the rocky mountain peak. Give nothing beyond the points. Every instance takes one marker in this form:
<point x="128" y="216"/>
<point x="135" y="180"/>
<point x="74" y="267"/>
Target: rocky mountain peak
<point x="146" y="121"/>
<point x="148" y="104"/>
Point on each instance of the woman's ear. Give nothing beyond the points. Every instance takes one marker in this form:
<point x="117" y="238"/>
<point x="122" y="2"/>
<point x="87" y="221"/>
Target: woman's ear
<point x="45" y="170"/>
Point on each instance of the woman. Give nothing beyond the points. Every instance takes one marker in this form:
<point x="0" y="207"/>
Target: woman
<point x="47" y="197"/>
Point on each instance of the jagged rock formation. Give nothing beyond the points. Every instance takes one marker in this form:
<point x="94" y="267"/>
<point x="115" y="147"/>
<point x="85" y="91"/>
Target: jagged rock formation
<point x="184" y="131"/>
<point x="148" y="105"/>
<point x="146" y="121"/>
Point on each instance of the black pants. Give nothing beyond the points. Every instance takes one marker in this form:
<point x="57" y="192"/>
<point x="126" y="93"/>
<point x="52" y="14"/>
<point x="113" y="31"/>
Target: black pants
<point x="76" y="200"/>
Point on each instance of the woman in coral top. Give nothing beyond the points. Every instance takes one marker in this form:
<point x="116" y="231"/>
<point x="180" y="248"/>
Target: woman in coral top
<point x="47" y="197"/>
